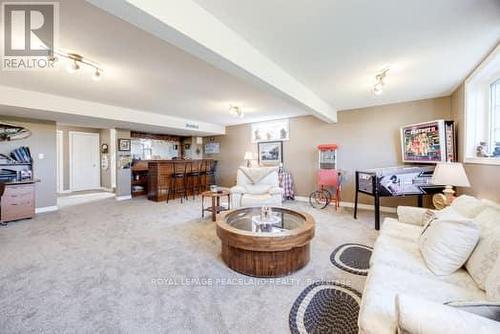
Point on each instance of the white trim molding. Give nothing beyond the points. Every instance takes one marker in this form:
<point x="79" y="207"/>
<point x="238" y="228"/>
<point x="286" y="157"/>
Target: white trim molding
<point x="123" y="198"/>
<point x="477" y="104"/>
<point x="46" y="209"/>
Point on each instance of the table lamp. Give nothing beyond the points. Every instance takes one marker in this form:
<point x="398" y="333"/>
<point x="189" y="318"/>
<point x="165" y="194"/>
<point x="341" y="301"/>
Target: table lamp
<point x="248" y="157"/>
<point x="449" y="174"/>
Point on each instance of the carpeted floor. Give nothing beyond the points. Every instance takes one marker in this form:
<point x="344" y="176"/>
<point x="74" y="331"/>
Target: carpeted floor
<point x="138" y="266"/>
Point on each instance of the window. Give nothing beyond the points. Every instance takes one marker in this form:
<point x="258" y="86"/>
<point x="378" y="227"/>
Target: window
<point x="482" y="112"/>
<point x="495" y="114"/>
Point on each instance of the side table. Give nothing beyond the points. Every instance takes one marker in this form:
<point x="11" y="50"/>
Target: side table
<point x="216" y="207"/>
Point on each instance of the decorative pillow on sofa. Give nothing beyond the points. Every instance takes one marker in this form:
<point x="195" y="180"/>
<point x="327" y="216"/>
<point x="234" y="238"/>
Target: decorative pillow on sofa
<point x="257" y="189"/>
<point x="446" y="244"/>
<point x="493" y="282"/>
<point x="468" y="206"/>
<point x="416" y="315"/>
<point x="490" y="310"/>
<point x="433" y="215"/>
<point x="482" y="259"/>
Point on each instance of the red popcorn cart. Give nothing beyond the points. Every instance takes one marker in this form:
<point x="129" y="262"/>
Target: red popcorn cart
<point x="328" y="178"/>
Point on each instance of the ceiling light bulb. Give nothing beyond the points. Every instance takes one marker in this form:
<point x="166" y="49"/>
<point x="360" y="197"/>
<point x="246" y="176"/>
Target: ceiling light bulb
<point x="97" y="75"/>
<point x="377" y="90"/>
<point x="72" y="68"/>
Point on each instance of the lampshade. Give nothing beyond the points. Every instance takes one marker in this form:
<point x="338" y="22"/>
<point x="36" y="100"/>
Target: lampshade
<point x="450" y="174"/>
<point x="248" y="156"/>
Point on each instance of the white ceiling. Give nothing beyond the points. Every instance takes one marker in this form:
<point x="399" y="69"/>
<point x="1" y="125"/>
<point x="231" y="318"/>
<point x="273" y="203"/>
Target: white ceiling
<point x="145" y="73"/>
<point x="335" y="47"/>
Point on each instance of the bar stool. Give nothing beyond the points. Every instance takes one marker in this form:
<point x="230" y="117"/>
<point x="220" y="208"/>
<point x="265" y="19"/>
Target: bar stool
<point x="212" y="165"/>
<point x="195" y="177"/>
<point x="205" y="166"/>
<point x="179" y="176"/>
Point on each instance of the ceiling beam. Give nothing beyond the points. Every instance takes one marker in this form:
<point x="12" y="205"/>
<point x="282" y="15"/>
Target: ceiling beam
<point x="188" y="26"/>
<point x="65" y="106"/>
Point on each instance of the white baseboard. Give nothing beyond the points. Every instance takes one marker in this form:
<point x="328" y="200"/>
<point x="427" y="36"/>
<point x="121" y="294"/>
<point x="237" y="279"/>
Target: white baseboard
<point x="46" y="209"/>
<point x="351" y="205"/>
<point x="123" y="198"/>
<point x="64" y="191"/>
<point x="109" y="190"/>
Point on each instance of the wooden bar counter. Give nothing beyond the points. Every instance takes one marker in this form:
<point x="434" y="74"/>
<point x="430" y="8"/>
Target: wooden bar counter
<point x="156" y="174"/>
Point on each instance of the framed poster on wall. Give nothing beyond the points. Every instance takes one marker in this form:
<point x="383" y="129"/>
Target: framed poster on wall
<point x="270" y="131"/>
<point x="270" y="153"/>
<point x="212" y="148"/>
<point x="429" y="142"/>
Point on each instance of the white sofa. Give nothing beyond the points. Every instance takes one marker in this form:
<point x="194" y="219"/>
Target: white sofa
<point x="398" y="268"/>
<point x="256" y="187"/>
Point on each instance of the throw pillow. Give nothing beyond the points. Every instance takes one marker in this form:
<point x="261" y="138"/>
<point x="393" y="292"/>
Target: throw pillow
<point x="416" y="315"/>
<point x="446" y="244"/>
<point x="432" y="215"/>
<point x="468" y="206"/>
<point x="483" y="257"/>
<point x="493" y="282"/>
<point x="490" y="310"/>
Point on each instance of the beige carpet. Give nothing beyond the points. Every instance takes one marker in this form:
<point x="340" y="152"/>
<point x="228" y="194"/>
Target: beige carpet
<point x="138" y="266"/>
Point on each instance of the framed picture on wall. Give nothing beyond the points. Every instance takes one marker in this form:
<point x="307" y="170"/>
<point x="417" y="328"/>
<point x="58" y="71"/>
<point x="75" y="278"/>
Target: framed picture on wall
<point x="212" y="148"/>
<point x="123" y="144"/>
<point x="270" y="153"/>
<point x="269" y="131"/>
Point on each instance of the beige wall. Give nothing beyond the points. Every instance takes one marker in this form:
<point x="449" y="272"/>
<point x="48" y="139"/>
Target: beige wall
<point x="484" y="179"/>
<point x="42" y="141"/>
<point x="106" y="174"/>
<point x="66" y="130"/>
<point x="368" y="138"/>
<point x="123" y="176"/>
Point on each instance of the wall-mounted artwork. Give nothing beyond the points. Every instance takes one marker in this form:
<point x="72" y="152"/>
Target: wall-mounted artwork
<point x="269" y="131"/>
<point x="212" y="148"/>
<point x="429" y="142"/>
<point x="9" y="132"/>
<point x="124" y="144"/>
<point x="270" y="153"/>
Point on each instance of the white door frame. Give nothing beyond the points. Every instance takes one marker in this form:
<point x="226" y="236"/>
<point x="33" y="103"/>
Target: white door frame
<point x="70" y="133"/>
<point x="60" y="161"/>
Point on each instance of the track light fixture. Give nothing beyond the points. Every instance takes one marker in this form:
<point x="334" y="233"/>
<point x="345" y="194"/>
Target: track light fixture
<point x="378" y="88"/>
<point x="236" y="111"/>
<point x="76" y="61"/>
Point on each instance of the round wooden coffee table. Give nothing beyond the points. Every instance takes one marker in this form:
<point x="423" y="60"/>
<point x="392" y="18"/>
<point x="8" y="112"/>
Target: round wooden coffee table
<point x="272" y="250"/>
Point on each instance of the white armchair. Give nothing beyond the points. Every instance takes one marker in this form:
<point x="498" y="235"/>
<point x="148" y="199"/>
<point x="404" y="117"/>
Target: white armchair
<point x="256" y="187"/>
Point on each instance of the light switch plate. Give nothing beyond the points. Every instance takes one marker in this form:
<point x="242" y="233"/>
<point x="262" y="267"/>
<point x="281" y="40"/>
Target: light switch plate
<point x="41" y="156"/>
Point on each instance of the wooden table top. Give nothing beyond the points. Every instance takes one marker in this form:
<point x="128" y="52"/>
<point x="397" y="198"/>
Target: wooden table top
<point x="221" y="192"/>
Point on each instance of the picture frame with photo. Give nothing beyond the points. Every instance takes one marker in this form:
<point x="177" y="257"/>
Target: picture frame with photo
<point x="270" y="153"/>
<point x="277" y="130"/>
<point x="124" y="145"/>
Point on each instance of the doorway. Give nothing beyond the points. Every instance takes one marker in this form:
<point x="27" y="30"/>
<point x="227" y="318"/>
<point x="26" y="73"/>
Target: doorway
<point x="84" y="172"/>
<point x="60" y="162"/>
